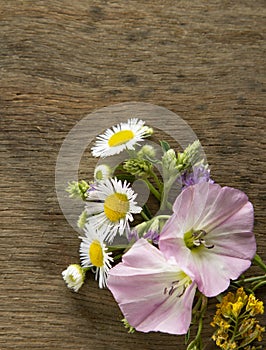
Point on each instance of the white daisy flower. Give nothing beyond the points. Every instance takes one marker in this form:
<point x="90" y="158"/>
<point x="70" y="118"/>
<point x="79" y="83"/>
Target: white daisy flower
<point x="102" y="172"/>
<point x="93" y="253"/>
<point x="110" y="207"/>
<point x="122" y="136"/>
<point x="74" y="276"/>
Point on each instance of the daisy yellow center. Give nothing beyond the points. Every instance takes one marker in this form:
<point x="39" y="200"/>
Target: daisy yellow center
<point x="96" y="254"/>
<point x="116" y="206"/>
<point x="72" y="278"/>
<point x="120" y="138"/>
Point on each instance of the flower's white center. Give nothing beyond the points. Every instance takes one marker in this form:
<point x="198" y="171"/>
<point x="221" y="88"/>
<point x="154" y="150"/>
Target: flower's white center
<point x="120" y="138"/>
<point x="116" y="206"/>
<point x="96" y="254"/>
<point x="194" y="239"/>
<point x="179" y="286"/>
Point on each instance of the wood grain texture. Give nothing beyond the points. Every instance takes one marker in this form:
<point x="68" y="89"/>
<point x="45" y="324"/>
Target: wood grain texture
<point x="61" y="60"/>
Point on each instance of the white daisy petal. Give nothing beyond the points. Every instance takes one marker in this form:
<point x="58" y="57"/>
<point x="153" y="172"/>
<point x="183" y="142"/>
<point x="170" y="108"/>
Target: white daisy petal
<point x="115" y="210"/>
<point x="94" y="209"/>
<point x="93" y="253"/>
<point x="120" y="137"/>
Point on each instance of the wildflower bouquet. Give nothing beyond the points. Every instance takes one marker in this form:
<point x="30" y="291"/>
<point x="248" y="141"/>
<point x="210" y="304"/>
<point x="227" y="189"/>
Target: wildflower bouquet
<point x="163" y="261"/>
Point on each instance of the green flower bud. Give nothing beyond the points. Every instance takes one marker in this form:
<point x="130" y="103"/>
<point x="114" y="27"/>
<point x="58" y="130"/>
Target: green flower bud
<point x="127" y="326"/>
<point x="78" y="189"/>
<point x="191" y="156"/>
<point x="141" y="228"/>
<point x="148" y="131"/>
<point x="146" y="151"/>
<point x="155" y="226"/>
<point x="169" y="160"/>
<point x="137" y="167"/>
<point x="82" y="219"/>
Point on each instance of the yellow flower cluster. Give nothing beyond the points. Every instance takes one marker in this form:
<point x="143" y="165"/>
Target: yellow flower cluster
<point x="237" y="326"/>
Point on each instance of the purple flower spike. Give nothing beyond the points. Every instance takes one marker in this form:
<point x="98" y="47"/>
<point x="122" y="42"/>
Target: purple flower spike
<point x="198" y="174"/>
<point x="153" y="236"/>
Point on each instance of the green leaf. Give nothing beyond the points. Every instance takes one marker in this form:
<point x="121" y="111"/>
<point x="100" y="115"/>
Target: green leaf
<point x="165" y="146"/>
<point x="187" y="336"/>
<point x="128" y="177"/>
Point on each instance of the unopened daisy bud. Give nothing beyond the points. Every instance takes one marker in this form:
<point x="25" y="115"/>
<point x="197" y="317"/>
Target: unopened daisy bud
<point x="146" y="151"/>
<point x="169" y="160"/>
<point x="148" y="131"/>
<point x="137" y="167"/>
<point x="102" y="172"/>
<point x="74" y="276"/>
<point x="82" y="219"/>
<point x="78" y="189"/>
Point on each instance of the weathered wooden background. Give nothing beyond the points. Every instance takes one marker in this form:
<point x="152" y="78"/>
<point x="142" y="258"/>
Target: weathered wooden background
<point x="61" y="60"/>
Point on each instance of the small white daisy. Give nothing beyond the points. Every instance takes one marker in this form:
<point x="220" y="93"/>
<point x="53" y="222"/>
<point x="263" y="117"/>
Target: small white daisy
<point x="110" y="207"/>
<point x="93" y="253"/>
<point x="102" y="172"/>
<point x="120" y="137"/>
<point x="74" y="276"/>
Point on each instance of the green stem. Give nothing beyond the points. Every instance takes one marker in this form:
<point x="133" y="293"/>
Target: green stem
<point x="250" y="279"/>
<point x="120" y="167"/>
<point x="167" y="187"/>
<point x="235" y="330"/>
<point x="164" y="217"/>
<point x="258" y="285"/>
<point x="197" y="339"/>
<point x="157" y="181"/>
<point x="237" y="285"/>
<point x="164" y="199"/>
<point x="197" y="342"/>
<point x="258" y="261"/>
<point x="147" y="211"/>
<point x="197" y="305"/>
<point x="118" y="256"/>
<point x="132" y="153"/>
<point x="153" y="189"/>
<point x="85" y="269"/>
<point x="145" y="217"/>
<point x="117" y="247"/>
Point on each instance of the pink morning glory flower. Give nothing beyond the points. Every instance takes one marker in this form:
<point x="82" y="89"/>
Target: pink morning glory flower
<point x="210" y="234"/>
<point x="153" y="293"/>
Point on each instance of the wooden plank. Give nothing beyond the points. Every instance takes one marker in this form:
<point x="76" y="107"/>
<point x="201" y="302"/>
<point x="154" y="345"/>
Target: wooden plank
<point x="61" y="60"/>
